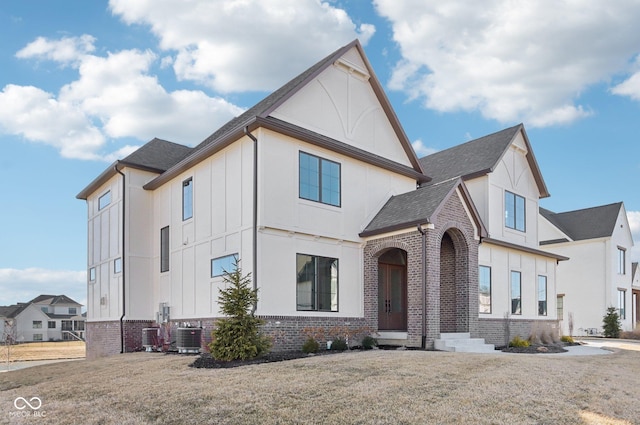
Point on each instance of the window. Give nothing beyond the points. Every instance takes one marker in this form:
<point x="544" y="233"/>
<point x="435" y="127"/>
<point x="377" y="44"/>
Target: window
<point x="37" y="337"/>
<point x="622" y="311"/>
<point x="542" y="295"/>
<point x="222" y="264"/>
<point x="560" y="307"/>
<point x="92" y="274"/>
<point x="187" y="199"/>
<point x="516" y="293"/>
<point x="164" y="249"/>
<point x="52" y="324"/>
<point x="37" y="324"/>
<point x="117" y="265"/>
<point x="514" y="211"/>
<point x="484" y="289"/>
<point x="104" y="200"/>
<point x="72" y="310"/>
<point x="319" y="179"/>
<point x="621" y="260"/>
<point x="44" y="309"/>
<point x="316" y="283"/>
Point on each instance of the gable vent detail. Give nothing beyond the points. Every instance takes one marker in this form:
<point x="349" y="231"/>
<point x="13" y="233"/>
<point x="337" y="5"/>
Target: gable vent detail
<point x="352" y="68"/>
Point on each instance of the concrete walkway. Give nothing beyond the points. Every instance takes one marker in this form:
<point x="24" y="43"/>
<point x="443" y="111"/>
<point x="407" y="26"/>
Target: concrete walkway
<point x="8" y="367"/>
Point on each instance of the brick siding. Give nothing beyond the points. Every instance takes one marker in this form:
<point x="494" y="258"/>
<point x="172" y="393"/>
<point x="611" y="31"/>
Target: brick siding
<point x="501" y="331"/>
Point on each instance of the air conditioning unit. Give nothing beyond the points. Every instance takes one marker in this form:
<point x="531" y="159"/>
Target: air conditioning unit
<point x="149" y="338"/>
<point x="188" y="340"/>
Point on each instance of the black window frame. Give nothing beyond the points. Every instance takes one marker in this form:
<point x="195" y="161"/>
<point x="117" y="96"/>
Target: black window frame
<point x="187" y="185"/>
<point x="543" y="305"/>
<point x="317" y="300"/>
<point x="516" y="307"/>
<point x="480" y="267"/>
<point x="165" y="249"/>
<point x="321" y="163"/>
<point x="516" y="217"/>
<point x="105" y="196"/>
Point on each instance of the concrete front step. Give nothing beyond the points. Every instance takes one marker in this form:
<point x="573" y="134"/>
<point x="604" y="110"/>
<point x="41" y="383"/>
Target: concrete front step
<point x="462" y="343"/>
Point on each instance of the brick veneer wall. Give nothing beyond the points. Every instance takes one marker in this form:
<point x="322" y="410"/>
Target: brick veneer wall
<point x="499" y="332"/>
<point x="452" y="220"/>
<point x="103" y="338"/>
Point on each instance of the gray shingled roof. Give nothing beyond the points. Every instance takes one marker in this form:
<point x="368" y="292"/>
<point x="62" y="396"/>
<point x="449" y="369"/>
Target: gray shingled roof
<point x="588" y="223"/>
<point x="410" y="209"/>
<point x="478" y="157"/>
<point x="11" y="311"/>
<point x="55" y="299"/>
<point x="158" y="155"/>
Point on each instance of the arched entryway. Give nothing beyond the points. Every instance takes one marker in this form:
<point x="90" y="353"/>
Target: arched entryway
<point x="454" y="283"/>
<point x="392" y="290"/>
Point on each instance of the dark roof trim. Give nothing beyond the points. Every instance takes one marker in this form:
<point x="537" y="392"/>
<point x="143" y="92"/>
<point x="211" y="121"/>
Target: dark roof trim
<point x="554" y="241"/>
<point x="320" y="140"/>
<point x="525" y="249"/>
<point x="533" y="164"/>
<point x="109" y="173"/>
<point x="394" y="228"/>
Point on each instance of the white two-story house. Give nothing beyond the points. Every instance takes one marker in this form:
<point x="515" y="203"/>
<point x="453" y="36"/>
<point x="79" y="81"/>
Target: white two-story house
<point x="517" y="279"/>
<point x="303" y="189"/>
<point x="599" y="275"/>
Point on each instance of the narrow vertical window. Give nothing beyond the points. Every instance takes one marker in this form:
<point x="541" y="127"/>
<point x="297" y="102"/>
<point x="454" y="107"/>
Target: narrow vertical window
<point x="484" y="289"/>
<point x="516" y="293"/>
<point x="164" y="249"/>
<point x="187" y="199"/>
<point x="92" y="274"/>
<point x="117" y="265"/>
<point x="319" y="179"/>
<point x="622" y="260"/>
<point x="104" y="200"/>
<point x="560" y="306"/>
<point x="542" y="295"/>
<point x="514" y="211"/>
<point x="622" y="298"/>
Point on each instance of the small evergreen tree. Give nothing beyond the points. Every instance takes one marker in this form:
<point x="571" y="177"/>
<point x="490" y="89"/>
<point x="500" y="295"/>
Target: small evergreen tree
<point x="611" y="323"/>
<point x="238" y="335"/>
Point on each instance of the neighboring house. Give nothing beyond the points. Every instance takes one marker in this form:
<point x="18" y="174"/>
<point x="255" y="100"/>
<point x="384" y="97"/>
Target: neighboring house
<point x="516" y="278"/>
<point x="45" y="318"/>
<point x="635" y="295"/>
<point x="314" y="191"/>
<point x="599" y="274"/>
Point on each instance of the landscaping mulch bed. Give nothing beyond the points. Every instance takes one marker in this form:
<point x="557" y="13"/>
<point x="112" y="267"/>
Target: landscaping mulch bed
<point x="206" y="361"/>
<point x="539" y="349"/>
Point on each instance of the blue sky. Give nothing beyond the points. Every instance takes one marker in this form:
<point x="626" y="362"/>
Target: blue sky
<point x="83" y="83"/>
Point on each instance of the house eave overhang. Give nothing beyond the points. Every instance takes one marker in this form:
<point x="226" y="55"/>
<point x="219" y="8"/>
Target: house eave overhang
<point x="534" y="251"/>
<point x="109" y="173"/>
<point x="395" y="228"/>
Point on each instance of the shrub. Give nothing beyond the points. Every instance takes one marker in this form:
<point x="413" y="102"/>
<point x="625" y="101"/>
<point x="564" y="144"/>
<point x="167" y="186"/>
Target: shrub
<point x="567" y="339"/>
<point x="310" y="346"/>
<point x="368" y="342"/>
<point x="611" y="323"/>
<point x="339" y="344"/>
<point x="238" y="335"/>
<point x="518" y="342"/>
<point x="635" y="334"/>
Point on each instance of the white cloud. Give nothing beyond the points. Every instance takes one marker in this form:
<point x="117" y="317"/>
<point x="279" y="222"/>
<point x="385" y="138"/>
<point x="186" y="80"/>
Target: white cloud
<point x="22" y="285"/>
<point x="512" y="61"/>
<point x="634" y="224"/>
<point x="114" y="97"/>
<point x="421" y="149"/>
<point x="243" y="45"/>
<point x="67" y="50"/>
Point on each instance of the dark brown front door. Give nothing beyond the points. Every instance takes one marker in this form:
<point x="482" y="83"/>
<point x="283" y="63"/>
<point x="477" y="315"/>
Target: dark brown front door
<point x="392" y="297"/>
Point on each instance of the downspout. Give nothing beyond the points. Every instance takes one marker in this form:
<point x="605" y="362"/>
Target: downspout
<point x="255" y="214"/>
<point x="122" y="339"/>
<point x="424" y="286"/>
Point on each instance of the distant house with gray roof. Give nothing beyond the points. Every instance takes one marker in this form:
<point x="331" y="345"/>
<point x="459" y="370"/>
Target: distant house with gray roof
<point x="599" y="275"/>
<point x="44" y="318"/>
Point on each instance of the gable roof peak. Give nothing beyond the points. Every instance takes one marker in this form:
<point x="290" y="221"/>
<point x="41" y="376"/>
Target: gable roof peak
<point x="587" y="223"/>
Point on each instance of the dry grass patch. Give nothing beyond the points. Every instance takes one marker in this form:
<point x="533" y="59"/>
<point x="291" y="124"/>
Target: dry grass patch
<point x="383" y="387"/>
<point x="43" y="351"/>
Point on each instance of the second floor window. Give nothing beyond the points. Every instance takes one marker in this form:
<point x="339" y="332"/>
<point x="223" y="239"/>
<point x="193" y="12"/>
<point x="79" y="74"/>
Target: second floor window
<point x="187" y="199"/>
<point x="514" y="211"/>
<point x="104" y="200"/>
<point x="621" y="260"/>
<point x="319" y="179"/>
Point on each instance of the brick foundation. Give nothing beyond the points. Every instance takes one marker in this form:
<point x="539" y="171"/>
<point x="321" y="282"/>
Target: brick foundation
<point x="104" y="338"/>
<point x="499" y="332"/>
